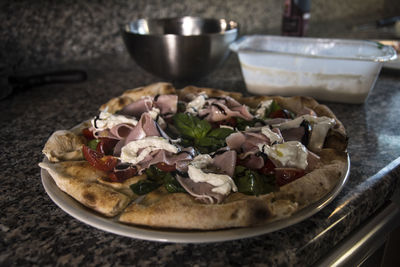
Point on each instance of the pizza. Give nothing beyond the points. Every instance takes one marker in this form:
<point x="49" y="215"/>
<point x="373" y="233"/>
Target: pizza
<point x="199" y="158"/>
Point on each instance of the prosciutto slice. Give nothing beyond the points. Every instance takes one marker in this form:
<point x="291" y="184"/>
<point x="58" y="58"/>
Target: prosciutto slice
<point x="181" y="160"/>
<point x="201" y="191"/>
<point x="137" y="108"/>
<point x="218" y="109"/>
<point x="145" y="127"/>
<point x="166" y="103"/>
<point x="242" y="142"/>
<point x="226" y="162"/>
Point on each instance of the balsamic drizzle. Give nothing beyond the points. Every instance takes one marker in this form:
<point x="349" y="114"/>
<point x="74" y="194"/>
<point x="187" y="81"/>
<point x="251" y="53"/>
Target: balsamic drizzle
<point x="307" y="132"/>
<point x="95" y="121"/>
<point x="183" y="174"/>
<point x="187" y="152"/>
<point x="156" y="97"/>
<point x="159" y="128"/>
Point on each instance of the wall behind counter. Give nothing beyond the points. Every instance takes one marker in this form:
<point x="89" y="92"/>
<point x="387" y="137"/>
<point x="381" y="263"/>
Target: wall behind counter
<point x="43" y="33"/>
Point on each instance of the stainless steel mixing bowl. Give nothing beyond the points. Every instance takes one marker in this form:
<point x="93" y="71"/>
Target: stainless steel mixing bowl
<point x="184" y="48"/>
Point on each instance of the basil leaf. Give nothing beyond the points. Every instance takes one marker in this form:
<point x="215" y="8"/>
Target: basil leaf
<point x="191" y="126"/>
<point x="156" y="178"/>
<point x="154" y="174"/>
<point x="252" y="183"/>
<point x="242" y="123"/>
<point x="144" y="186"/>
<point x="220" y="133"/>
<point x="181" y="106"/>
<point x="172" y="185"/>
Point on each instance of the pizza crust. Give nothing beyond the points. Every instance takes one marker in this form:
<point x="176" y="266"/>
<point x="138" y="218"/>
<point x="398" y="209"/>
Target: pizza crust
<point x="79" y="180"/>
<point x="162" y="209"/>
<point x="132" y="95"/>
<point x="179" y="210"/>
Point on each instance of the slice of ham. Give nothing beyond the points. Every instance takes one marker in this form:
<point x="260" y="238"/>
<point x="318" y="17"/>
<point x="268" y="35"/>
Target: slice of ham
<point x="201" y="191"/>
<point x="242" y="142"/>
<point x="166" y="103"/>
<point x="293" y="134"/>
<point x="146" y="126"/>
<point x="137" y="108"/>
<point x="180" y="160"/>
<point x="218" y="109"/>
<point x="121" y="131"/>
<point x="253" y="161"/>
<point x="226" y="162"/>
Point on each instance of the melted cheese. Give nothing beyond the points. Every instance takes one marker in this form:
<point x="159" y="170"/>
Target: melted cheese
<point x="289" y="154"/>
<point x="223" y="184"/>
<point x="262" y="107"/>
<point x="272" y="136"/>
<point x="107" y="120"/>
<point x="155" y="115"/>
<point x="130" y="152"/>
<point x="196" y="104"/>
<point x="320" y="128"/>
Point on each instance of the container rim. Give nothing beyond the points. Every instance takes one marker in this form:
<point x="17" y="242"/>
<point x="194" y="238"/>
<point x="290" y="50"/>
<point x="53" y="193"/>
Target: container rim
<point x="128" y="27"/>
<point x="388" y="55"/>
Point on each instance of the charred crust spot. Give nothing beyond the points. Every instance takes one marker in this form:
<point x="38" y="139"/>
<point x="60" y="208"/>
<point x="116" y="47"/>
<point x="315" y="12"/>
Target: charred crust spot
<point x="261" y="213"/>
<point x="234" y="215"/>
<point x="122" y="101"/>
<point x="89" y="197"/>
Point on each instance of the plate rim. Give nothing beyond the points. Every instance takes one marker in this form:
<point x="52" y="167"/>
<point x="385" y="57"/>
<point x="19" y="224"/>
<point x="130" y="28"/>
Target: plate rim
<point x="111" y="225"/>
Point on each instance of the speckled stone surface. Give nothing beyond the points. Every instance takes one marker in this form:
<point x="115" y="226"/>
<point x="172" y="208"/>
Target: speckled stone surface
<point x="41" y="33"/>
<point x="34" y="231"/>
<point x="47" y="35"/>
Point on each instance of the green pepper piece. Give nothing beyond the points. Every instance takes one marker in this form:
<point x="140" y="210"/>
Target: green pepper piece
<point x="92" y="144"/>
<point x="252" y="183"/>
<point x="144" y="186"/>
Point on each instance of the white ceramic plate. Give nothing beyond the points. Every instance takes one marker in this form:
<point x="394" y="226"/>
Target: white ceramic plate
<point x="78" y="211"/>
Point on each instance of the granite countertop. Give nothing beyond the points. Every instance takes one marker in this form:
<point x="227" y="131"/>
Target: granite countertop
<point x="33" y="230"/>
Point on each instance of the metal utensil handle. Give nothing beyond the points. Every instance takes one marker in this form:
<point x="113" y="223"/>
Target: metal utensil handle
<point x="63" y="76"/>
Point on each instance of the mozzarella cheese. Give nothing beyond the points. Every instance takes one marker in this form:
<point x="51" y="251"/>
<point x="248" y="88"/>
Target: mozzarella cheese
<point x="320" y="128"/>
<point x="107" y="120"/>
<point x="262" y="107"/>
<point x="272" y="136"/>
<point x="154" y="113"/>
<point x="130" y="152"/>
<point x="223" y="183"/>
<point x="289" y="154"/>
<point x="196" y="104"/>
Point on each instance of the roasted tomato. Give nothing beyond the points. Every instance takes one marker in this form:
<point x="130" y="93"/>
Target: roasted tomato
<point x="106" y="145"/>
<point x="165" y="167"/>
<point x="87" y="134"/>
<point x="287" y="175"/>
<point x="99" y="160"/>
<point x="121" y="175"/>
<point x="268" y="168"/>
<point x="280" y="113"/>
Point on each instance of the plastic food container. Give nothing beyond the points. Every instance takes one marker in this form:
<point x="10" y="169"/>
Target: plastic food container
<point x="326" y="69"/>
